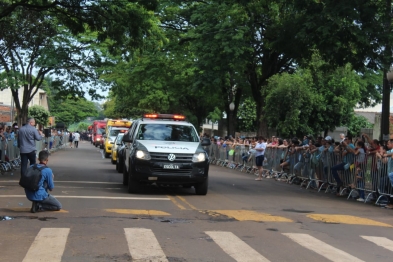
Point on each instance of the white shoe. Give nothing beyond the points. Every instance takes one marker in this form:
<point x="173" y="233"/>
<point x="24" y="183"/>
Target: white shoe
<point x="360" y="199"/>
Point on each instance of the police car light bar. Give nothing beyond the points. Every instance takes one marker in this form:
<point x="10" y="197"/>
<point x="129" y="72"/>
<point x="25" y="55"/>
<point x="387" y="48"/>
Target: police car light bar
<point x="165" y="116"/>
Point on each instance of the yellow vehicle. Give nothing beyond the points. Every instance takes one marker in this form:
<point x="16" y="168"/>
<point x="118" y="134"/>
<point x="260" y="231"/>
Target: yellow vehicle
<point x="116" y="123"/>
<point x="113" y="128"/>
<point x="116" y="147"/>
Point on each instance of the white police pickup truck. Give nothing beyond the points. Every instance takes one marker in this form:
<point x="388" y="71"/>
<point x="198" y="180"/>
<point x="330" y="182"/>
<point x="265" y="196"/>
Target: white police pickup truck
<point x="165" y="149"/>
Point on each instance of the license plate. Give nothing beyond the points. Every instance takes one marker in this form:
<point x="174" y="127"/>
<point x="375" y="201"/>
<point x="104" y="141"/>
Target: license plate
<point x="171" y="167"/>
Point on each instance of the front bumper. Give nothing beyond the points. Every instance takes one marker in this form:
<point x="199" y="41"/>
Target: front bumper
<point x="187" y="173"/>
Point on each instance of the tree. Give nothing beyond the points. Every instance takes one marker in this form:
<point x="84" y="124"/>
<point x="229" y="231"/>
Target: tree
<point x="355" y="123"/>
<point x="109" y="19"/>
<point x="313" y="100"/>
<point x="30" y="51"/>
<point x="247" y="116"/>
<point x="40" y="114"/>
<point x="82" y="126"/>
<point x="289" y="103"/>
<point x="72" y="110"/>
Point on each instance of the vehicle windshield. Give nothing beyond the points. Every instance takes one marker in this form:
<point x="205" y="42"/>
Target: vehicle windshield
<point x="119" y="139"/>
<point x="100" y="131"/>
<point x="114" y="132"/>
<point x="167" y="132"/>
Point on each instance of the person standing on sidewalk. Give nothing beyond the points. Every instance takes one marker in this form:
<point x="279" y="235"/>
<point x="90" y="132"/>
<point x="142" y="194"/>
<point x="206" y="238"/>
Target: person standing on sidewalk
<point x="76" y="138"/>
<point x="260" y="156"/>
<point x="27" y="136"/>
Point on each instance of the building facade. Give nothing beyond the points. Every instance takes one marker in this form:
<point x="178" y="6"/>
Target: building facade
<point x="7" y="105"/>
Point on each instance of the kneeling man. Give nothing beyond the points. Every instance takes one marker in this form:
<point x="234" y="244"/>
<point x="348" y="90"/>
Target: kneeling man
<point x="41" y="199"/>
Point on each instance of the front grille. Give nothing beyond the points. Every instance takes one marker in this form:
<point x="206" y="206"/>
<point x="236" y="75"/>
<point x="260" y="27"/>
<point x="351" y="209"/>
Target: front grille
<point x="159" y="170"/>
<point x="163" y="157"/>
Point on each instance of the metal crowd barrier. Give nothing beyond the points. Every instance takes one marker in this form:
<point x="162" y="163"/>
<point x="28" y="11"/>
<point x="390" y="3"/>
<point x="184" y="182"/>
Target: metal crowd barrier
<point x="366" y="174"/>
<point x="10" y="156"/>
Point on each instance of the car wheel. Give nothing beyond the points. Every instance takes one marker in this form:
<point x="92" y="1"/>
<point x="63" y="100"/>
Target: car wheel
<point x="119" y="165"/>
<point x="125" y="175"/>
<point x="113" y="161"/>
<point x="107" y="155"/>
<point x="133" y="185"/>
<point x="201" y="188"/>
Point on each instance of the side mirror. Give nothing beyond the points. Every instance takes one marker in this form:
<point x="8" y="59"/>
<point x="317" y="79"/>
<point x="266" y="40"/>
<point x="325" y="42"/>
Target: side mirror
<point x="205" y="142"/>
<point x="104" y="135"/>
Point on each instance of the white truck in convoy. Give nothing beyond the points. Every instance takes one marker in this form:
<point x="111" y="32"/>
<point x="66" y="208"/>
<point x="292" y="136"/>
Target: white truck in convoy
<point x="165" y="149"/>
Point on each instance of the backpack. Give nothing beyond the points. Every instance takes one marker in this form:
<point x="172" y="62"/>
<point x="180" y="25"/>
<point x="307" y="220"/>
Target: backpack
<point x="32" y="178"/>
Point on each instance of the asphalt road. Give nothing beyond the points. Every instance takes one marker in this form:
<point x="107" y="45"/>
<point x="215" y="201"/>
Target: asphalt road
<point x="240" y="219"/>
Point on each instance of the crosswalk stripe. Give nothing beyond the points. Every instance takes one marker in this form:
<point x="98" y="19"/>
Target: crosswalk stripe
<point x="235" y="247"/>
<point x="380" y="241"/>
<point x="321" y="248"/>
<point x="143" y="245"/>
<point x="48" y="245"/>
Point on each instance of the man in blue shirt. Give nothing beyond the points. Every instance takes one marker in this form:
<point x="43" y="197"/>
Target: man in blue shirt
<point x="348" y="150"/>
<point x="40" y="198"/>
<point x="27" y="136"/>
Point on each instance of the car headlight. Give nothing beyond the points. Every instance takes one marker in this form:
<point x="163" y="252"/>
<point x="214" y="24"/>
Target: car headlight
<point x="143" y="155"/>
<point x="199" y="157"/>
<point x="98" y="139"/>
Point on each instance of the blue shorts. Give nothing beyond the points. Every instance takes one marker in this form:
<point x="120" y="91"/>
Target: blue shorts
<point x="259" y="160"/>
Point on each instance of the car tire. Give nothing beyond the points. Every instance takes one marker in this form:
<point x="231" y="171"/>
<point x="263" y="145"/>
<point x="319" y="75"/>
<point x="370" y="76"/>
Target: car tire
<point x="107" y="155"/>
<point x="119" y="165"/>
<point x="133" y="185"/>
<point x="201" y="188"/>
<point x="113" y="161"/>
<point x="125" y="176"/>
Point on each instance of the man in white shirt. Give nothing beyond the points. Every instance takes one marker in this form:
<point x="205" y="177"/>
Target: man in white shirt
<point x="76" y="138"/>
<point x="260" y="156"/>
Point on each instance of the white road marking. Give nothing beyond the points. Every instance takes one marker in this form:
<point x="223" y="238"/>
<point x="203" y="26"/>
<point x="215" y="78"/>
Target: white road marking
<point x="380" y="241"/>
<point x="48" y="245"/>
<point x="321" y="248"/>
<point x="235" y="247"/>
<point x="95" y="197"/>
<point x="143" y="245"/>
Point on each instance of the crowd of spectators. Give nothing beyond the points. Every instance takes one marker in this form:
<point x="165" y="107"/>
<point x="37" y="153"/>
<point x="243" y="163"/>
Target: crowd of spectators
<point x="353" y="153"/>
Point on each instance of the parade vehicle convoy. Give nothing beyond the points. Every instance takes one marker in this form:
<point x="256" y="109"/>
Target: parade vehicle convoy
<point x="166" y="150"/>
<point x="97" y="131"/>
<point x="110" y="124"/>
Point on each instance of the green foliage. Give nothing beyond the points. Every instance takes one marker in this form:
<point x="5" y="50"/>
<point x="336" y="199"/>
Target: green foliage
<point x="82" y="126"/>
<point x="72" y="110"/>
<point x="40" y="114"/>
<point x="290" y="102"/>
<point x="215" y="115"/>
<point x="355" y="123"/>
<point x="247" y="116"/>
<point x="195" y="57"/>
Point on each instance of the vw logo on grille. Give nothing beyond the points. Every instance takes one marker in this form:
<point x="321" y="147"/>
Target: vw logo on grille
<point x="171" y="157"/>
